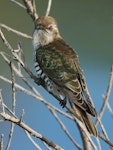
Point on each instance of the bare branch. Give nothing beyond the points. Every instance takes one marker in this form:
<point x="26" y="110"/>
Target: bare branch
<point x="10" y="136"/>
<point x="31" y="8"/>
<point x="103" y="129"/>
<point x="110" y="109"/>
<point x="106" y="98"/>
<point x="1" y="142"/>
<point x="48" y="7"/>
<point x="33" y="142"/>
<point x="48" y="148"/>
<point x="13" y="107"/>
<point x="17" y="3"/>
<point x="34" y="10"/>
<point x="9" y="110"/>
<point x="15" y="31"/>
<point x="106" y="140"/>
<point x="13" y="89"/>
<point x="30" y="130"/>
<point x="1" y="101"/>
<point x="99" y="145"/>
<point x="65" y="129"/>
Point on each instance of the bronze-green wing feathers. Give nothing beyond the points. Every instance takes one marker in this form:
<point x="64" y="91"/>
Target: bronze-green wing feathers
<point x="60" y="63"/>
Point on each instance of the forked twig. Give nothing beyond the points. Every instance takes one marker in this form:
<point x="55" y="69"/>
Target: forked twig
<point x="31" y="8"/>
<point x="30" y="130"/>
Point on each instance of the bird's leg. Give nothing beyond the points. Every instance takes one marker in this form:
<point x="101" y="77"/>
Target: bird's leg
<point x="39" y="81"/>
<point x="63" y="102"/>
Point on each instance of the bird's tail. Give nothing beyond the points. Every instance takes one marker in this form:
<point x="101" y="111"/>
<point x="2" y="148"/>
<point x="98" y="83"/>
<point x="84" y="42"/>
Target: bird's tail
<point x="89" y="123"/>
<point x="86" y="119"/>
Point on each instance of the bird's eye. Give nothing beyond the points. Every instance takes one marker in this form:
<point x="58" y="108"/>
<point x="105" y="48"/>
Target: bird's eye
<point x="49" y="27"/>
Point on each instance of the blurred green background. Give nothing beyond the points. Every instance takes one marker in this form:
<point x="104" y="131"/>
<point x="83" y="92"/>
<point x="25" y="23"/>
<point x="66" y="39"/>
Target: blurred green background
<point x="86" y="25"/>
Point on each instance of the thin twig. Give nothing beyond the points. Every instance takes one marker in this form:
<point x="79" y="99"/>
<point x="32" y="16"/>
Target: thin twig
<point x="10" y="48"/>
<point x="34" y="9"/>
<point x="99" y="145"/>
<point x="10" y="136"/>
<point x="65" y="129"/>
<point x="15" y="31"/>
<point x="47" y="147"/>
<point x="30" y="130"/>
<point x="110" y="109"/>
<point x="2" y="142"/>
<point x="1" y="101"/>
<point x="106" y="98"/>
<point x="86" y="136"/>
<point x="22" y="115"/>
<point x="13" y="89"/>
<point x="17" y="57"/>
<point x="33" y="142"/>
<point x="48" y="7"/>
<point x="19" y="51"/>
<point x="9" y="110"/>
<point x="31" y="8"/>
<point x="103" y="129"/>
<point x="106" y="140"/>
<point x="18" y="3"/>
<point x="13" y="107"/>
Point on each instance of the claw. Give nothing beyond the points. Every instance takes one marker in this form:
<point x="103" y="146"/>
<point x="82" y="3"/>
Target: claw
<point x="39" y="81"/>
<point x="63" y="102"/>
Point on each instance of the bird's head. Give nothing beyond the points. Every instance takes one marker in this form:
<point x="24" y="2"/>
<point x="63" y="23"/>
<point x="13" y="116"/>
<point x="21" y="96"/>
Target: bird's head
<point x="46" y="30"/>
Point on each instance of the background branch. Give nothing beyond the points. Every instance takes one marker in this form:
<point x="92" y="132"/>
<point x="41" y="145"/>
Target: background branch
<point x="30" y="130"/>
<point x="31" y="8"/>
<point x="107" y="95"/>
<point x="48" y="7"/>
<point x="15" y="31"/>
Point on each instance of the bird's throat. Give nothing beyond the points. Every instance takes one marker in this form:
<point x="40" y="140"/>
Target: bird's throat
<point x="41" y="38"/>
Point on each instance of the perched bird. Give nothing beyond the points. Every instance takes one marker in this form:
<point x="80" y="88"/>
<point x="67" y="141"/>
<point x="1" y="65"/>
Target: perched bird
<point x="57" y="65"/>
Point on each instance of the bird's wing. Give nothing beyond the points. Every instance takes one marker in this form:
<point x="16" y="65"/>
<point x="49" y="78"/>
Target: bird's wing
<point x="60" y="63"/>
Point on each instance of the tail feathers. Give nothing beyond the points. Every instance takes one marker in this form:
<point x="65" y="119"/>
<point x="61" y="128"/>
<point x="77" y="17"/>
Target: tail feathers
<point x="89" y="124"/>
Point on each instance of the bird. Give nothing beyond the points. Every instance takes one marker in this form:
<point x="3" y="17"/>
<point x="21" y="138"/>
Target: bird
<point x="57" y="65"/>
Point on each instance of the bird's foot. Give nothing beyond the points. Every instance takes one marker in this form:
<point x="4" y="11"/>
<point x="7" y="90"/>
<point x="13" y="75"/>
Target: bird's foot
<point x="39" y="81"/>
<point x="63" y="102"/>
